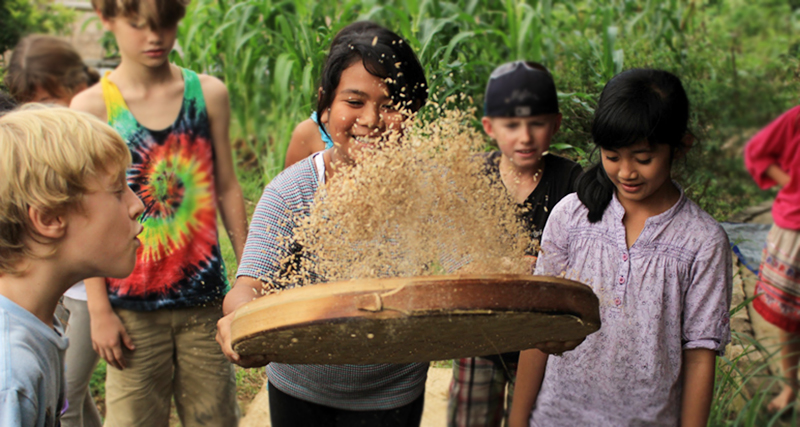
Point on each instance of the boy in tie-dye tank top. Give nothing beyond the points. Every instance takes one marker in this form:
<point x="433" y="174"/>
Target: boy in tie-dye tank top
<point x="156" y="328"/>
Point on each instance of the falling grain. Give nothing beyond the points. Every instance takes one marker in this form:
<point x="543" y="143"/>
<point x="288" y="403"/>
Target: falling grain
<point x="422" y="204"/>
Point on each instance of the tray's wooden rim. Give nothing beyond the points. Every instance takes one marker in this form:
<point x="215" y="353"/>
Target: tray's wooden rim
<point x="373" y="285"/>
<point x="253" y="318"/>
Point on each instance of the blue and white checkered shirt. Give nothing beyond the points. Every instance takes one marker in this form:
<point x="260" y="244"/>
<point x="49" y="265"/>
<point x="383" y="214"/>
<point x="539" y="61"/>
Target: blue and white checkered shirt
<point x="351" y="387"/>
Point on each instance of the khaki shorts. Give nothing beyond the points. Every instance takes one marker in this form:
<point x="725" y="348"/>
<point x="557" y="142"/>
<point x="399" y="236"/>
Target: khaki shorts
<point x="176" y="356"/>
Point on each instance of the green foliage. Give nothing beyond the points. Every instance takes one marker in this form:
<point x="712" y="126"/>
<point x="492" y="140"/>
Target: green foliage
<point x="743" y="387"/>
<point x="737" y="58"/>
<point x="108" y="42"/>
<point x="97" y="384"/>
<point x="21" y="17"/>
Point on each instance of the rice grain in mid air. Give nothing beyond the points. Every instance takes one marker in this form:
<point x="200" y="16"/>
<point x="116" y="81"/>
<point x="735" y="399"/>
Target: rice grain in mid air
<point x="417" y="205"/>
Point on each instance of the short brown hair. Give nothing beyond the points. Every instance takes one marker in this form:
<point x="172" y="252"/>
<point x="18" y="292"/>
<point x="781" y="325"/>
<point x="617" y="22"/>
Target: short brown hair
<point x="165" y="14"/>
<point x="47" y="157"/>
<point x="47" y="62"/>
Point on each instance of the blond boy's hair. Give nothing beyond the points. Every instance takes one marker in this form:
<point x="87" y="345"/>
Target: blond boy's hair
<point x="159" y="14"/>
<point x="48" y="155"/>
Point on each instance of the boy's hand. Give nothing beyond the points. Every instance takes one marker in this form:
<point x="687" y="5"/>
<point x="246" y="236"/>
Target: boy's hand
<point x="224" y="340"/>
<point x="108" y="335"/>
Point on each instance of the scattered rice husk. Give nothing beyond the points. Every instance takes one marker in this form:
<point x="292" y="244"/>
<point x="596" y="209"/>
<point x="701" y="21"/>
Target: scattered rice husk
<point x="418" y="205"/>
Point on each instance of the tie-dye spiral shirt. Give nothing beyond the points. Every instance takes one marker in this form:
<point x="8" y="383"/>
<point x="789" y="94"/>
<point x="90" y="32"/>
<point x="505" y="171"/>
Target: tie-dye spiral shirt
<point x="179" y="263"/>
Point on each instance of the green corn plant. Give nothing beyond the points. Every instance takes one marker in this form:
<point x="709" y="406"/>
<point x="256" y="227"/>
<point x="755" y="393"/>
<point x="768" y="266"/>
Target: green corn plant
<point x="270" y="54"/>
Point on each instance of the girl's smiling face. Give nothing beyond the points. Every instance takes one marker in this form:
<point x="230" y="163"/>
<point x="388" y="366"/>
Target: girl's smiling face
<point x="361" y="114"/>
<point x="641" y="175"/>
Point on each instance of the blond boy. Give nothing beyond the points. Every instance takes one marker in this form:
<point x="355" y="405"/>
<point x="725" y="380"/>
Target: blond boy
<point x="157" y="328"/>
<point x="66" y="214"/>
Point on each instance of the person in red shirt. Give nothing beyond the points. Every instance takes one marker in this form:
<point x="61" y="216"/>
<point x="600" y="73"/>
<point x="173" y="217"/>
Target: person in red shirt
<point x="773" y="158"/>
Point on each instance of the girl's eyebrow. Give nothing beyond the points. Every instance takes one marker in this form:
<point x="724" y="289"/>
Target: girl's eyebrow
<point x="643" y="150"/>
<point x="355" y="91"/>
<point x="361" y="93"/>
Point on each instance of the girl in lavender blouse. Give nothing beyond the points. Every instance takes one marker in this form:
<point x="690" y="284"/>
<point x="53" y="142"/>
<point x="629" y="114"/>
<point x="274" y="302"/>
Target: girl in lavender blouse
<point x="660" y="266"/>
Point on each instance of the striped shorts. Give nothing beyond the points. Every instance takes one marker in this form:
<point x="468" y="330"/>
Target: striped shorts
<point x="778" y="284"/>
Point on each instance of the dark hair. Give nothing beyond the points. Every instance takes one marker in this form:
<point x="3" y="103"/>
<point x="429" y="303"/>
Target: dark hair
<point x="635" y="105"/>
<point x="6" y="102"/>
<point x="49" y="63"/>
<point x="385" y="55"/>
<point x="159" y="14"/>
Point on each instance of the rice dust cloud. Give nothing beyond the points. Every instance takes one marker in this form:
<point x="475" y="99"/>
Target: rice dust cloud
<point x="418" y="205"/>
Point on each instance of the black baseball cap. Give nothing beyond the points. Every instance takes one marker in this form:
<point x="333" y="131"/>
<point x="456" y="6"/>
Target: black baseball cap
<point x="520" y="89"/>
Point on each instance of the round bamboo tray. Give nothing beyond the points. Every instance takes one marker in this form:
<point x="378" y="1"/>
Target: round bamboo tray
<point x="418" y="319"/>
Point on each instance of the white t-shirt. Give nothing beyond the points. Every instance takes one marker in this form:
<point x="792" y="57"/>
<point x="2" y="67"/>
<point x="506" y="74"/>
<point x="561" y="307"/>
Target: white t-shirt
<point x="77" y="291"/>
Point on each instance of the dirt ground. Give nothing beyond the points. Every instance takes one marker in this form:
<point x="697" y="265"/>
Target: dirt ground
<point x="432" y="416"/>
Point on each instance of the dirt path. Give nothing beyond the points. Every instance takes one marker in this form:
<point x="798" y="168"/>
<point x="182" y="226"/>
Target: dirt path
<point x="432" y="416"/>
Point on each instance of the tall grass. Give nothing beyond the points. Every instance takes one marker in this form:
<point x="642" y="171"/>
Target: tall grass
<point x="744" y="386"/>
<point x="738" y="59"/>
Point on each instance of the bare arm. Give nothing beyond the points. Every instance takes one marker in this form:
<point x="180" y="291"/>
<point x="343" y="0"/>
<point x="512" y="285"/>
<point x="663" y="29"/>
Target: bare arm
<point x="305" y="141"/>
<point x="530" y="373"/>
<point x="91" y="101"/>
<point x="698" y="386"/>
<point x="778" y="175"/>
<point x="244" y="290"/>
<point x="108" y="332"/>
<point x="230" y="200"/>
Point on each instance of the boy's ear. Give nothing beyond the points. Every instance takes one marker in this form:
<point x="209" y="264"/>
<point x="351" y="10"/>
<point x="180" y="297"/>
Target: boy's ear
<point x="47" y="225"/>
<point x="557" y="123"/>
<point x="488" y="126"/>
<point x="686" y="144"/>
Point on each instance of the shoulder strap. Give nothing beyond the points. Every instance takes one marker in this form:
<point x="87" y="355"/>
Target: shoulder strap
<point x="319" y="162"/>
<point x="112" y="97"/>
<point x="193" y="90"/>
<point x="118" y="115"/>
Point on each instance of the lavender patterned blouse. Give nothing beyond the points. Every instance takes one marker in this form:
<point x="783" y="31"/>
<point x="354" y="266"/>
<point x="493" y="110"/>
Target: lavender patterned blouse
<point x="669" y="292"/>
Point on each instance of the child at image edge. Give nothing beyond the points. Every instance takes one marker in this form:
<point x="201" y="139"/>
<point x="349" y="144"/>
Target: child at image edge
<point x="66" y="214"/>
<point x="47" y="69"/>
<point x="773" y="158"/>
<point x="156" y="328"/>
<point x="660" y="266"/>
<point x="521" y="114"/>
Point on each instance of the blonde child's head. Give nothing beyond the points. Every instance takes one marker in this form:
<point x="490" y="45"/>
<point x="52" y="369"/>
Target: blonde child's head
<point x="47" y="69"/>
<point x="157" y="13"/>
<point x="48" y="158"/>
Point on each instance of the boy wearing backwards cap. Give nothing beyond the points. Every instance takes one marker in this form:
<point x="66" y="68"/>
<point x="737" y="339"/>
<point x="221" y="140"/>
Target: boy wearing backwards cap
<point x="66" y="214"/>
<point x="521" y="114"/>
